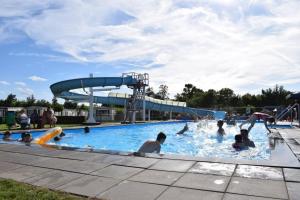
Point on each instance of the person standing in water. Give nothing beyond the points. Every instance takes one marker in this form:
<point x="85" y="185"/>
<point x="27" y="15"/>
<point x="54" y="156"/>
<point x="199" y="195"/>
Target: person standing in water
<point x="220" y="129"/>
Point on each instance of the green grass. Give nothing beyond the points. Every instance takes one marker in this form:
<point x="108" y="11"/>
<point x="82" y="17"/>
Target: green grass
<point x="4" y="127"/>
<point x="13" y="190"/>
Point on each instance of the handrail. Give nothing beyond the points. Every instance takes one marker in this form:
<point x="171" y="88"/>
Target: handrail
<point x="285" y="111"/>
<point x="83" y="87"/>
<point x="282" y="112"/>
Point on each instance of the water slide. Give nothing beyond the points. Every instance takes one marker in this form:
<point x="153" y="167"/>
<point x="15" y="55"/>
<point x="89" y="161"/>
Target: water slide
<point x="63" y="90"/>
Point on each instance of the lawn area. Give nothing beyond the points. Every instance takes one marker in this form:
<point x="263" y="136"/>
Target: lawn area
<point x="3" y="127"/>
<point x="19" y="191"/>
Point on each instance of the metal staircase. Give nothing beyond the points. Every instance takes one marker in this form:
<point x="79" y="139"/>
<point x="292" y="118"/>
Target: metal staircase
<point x="138" y="96"/>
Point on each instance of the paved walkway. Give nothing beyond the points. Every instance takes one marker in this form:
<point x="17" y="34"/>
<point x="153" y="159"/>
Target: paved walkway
<point x="125" y="177"/>
<point x="292" y="138"/>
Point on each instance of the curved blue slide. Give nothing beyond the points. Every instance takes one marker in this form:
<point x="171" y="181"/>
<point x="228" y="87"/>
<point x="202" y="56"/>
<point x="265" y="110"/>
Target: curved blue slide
<point x="62" y="90"/>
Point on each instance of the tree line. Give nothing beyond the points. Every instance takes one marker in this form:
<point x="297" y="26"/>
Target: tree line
<point x="193" y="96"/>
<point x="12" y="101"/>
<point x="225" y="97"/>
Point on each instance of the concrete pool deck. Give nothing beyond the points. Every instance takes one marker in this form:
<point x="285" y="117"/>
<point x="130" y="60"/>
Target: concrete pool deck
<point x="107" y="176"/>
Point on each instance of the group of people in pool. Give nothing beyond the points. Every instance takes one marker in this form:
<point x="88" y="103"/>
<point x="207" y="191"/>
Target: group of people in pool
<point x="242" y="140"/>
<point x="26" y="136"/>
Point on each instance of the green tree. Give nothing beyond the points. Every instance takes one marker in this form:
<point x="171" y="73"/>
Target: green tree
<point x="2" y="103"/>
<point x="42" y="103"/>
<point x="225" y="96"/>
<point x="163" y="92"/>
<point x="236" y="101"/>
<point x="247" y="99"/>
<point x="209" y="99"/>
<point x="150" y="92"/>
<point x="189" y="91"/>
<point x="83" y="107"/>
<point x="30" y="101"/>
<point x="70" y="105"/>
<point x="10" y="100"/>
<point x="20" y="103"/>
<point x="275" y="96"/>
<point x="196" y="101"/>
<point x="57" y="107"/>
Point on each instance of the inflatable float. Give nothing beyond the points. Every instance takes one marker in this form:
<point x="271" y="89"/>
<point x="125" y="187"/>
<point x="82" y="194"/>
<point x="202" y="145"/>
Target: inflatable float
<point x="51" y="133"/>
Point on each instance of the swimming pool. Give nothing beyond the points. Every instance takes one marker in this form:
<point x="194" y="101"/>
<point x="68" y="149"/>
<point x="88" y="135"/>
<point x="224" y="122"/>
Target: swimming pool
<point x="201" y="139"/>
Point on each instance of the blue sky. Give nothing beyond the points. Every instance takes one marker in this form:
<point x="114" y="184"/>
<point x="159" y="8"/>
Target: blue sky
<point x="243" y="45"/>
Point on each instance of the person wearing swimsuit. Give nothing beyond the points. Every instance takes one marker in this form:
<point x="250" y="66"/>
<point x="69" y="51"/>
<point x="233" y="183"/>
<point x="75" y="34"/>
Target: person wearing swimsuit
<point x="258" y="116"/>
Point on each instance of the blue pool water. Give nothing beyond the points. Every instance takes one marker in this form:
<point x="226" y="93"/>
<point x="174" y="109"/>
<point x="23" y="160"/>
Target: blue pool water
<point x="201" y="139"/>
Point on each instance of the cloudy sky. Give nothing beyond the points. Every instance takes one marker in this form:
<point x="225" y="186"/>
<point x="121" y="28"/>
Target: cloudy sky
<point x="243" y="45"/>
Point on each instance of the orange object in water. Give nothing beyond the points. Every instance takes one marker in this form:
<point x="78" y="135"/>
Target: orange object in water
<point x="51" y="133"/>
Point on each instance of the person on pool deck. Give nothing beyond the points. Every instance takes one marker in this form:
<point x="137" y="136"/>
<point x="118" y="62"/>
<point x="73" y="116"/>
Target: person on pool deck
<point x="220" y="129"/>
<point x="247" y="142"/>
<point x="257" y="116"/>
<point x="34" y="118"/>
<point x="185" y="128"/>
<point x="153" y="146"/>
<point x="24" y="120"/>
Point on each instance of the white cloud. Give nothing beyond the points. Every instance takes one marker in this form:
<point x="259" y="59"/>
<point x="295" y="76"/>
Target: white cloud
<point x="4" y="83"/>
<point x="25" y="91"/>
<point x="49" y="57"/>
<point x="212" y="44"/>
<point x="19" y="83"/>
<point x="37" y="78"/>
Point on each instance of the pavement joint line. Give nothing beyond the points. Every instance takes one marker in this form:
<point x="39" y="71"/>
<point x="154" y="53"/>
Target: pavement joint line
<point x="123" y="165"/>
<point x="35" y="175"/>
<point x="207" y="174"/>
<point x="207" y="190"/>
<point x="32" y="165"/>
<point x="119" y="181"/>
<point x="22" y="165"/>
<point x="285" y="183"/>
<point x="232" y="175"/>
<point x="144" y="169"/>
<point x="135" y="173"/>
<point x="69" y="182"/>
<point x="168" y="186"/>
<point x="63" y="170"/>
<point x="58" y="157"/>
<point x="41" y="155"/>
<point x="153" y="164"/>
<point x="253" y="195"/>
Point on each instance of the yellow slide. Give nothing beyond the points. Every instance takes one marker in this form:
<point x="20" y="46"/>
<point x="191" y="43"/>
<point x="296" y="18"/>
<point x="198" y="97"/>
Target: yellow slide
<point x="51" y="133"/>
